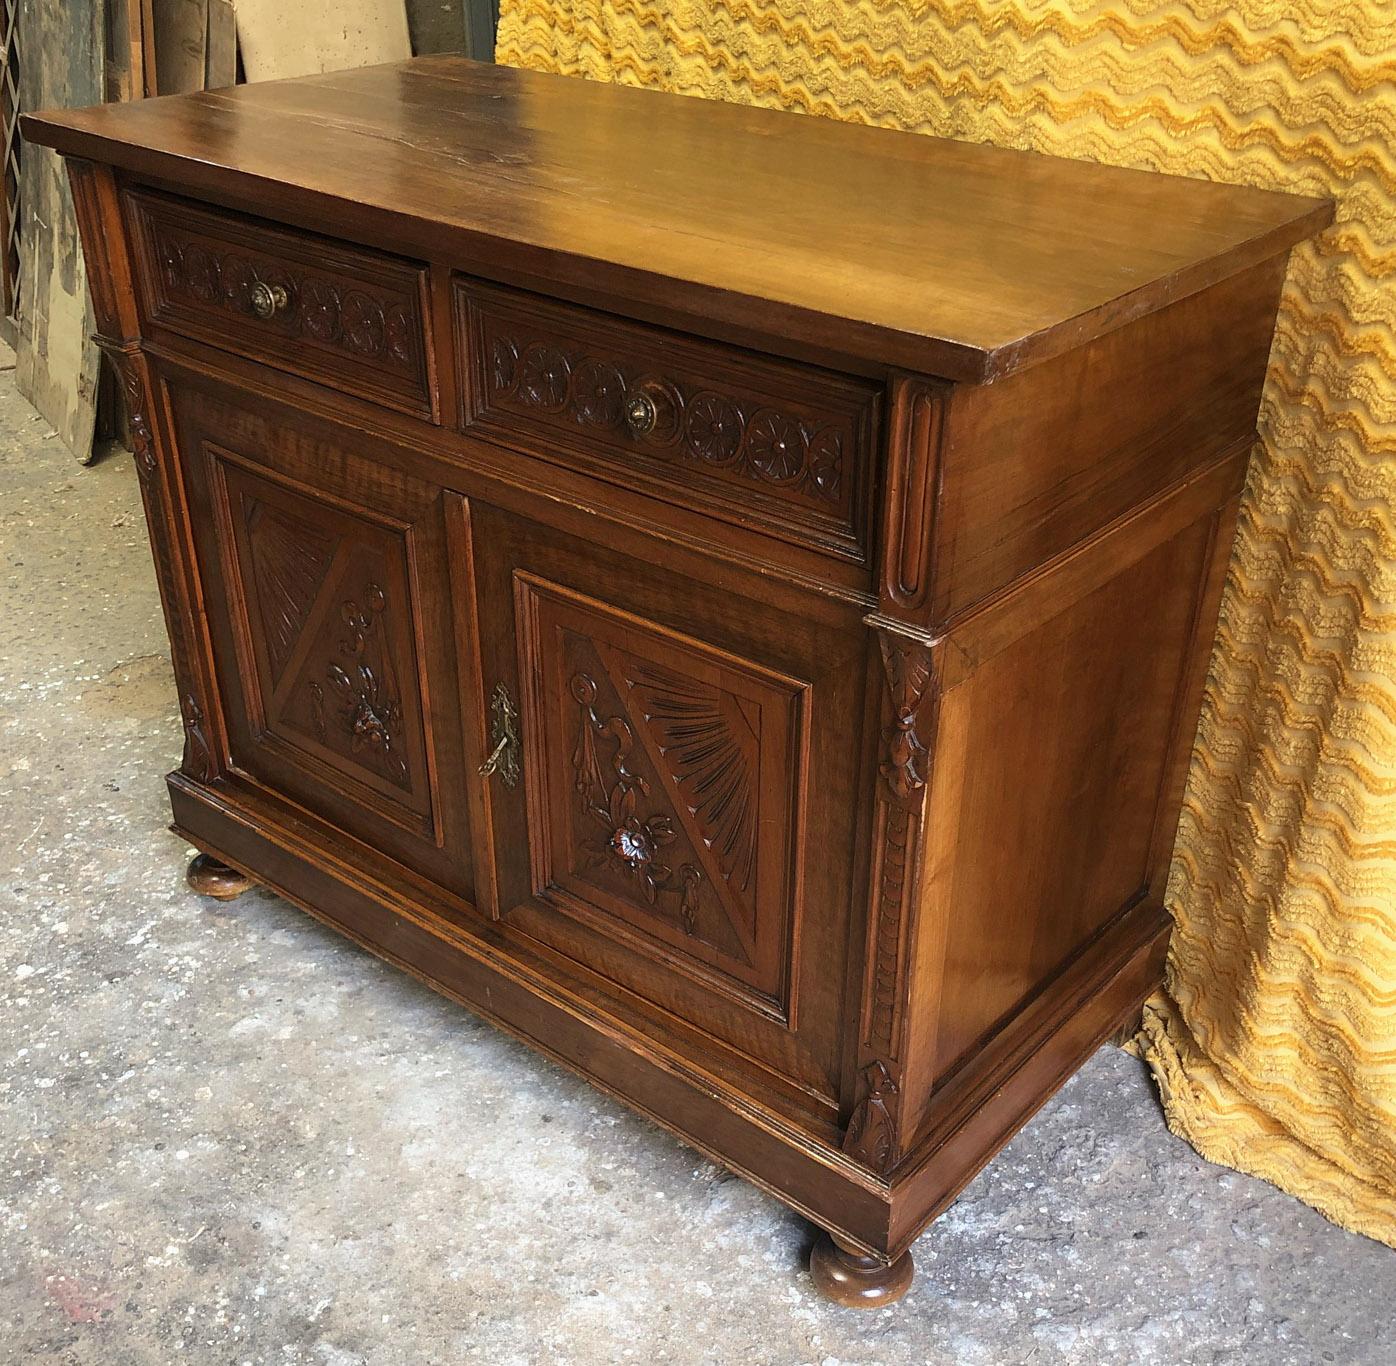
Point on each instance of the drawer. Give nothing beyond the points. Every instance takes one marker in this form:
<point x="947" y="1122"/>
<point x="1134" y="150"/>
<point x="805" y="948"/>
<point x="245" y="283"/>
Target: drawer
<point x="341" y="315"/>
<point x="765" y="444"/>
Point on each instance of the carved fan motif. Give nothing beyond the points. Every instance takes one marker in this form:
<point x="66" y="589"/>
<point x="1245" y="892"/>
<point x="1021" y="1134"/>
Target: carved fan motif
<point x="289" y="563"/>
<point x="630" y="840"/>
<point x="635" y="835"/>
<point x="667" y="776"/>
<point x="712" y="751"/>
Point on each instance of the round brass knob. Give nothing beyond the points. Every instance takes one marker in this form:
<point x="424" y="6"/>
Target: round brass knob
<point x="640" y="414"/>
<point x="268" y="300"/>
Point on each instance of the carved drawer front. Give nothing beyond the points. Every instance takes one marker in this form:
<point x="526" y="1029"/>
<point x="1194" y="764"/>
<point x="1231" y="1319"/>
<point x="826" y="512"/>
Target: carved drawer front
<point x="342" y="315"/>
<point x="672" y="830"/>
<point x="325" y="580"/>
<point x="758" y="442"/>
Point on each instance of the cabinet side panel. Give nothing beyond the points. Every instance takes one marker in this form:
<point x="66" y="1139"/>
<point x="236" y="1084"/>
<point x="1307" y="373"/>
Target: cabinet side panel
<point x="1035" y="463"/>
<point x="1066" y="737"/>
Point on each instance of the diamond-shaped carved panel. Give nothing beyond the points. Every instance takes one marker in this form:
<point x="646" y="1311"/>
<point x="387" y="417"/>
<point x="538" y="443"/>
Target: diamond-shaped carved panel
<point x="628" y="837"/>
<point x="670" y="774"/>
<point x="347" y="694"/>
<point x="329" y="626"/>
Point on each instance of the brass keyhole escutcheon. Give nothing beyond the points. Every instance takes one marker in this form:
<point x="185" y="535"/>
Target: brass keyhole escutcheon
<point x="504" y="736"/>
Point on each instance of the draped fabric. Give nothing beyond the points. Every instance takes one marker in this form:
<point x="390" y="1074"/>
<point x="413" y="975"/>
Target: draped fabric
<point x="1274" y="1043"/>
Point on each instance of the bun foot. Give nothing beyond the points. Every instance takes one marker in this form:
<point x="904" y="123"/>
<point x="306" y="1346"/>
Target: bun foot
<point x="855" y="1279"/>
<point x="208" y="877"/>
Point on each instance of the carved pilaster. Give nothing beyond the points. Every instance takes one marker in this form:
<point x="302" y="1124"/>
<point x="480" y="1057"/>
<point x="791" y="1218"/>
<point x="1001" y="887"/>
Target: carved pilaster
<point x="106" y="249"/>
<point x="873" y="1136"/>
<point x="913" y="457"/>
<point x="87" y="184"/>
<point x="915" y="411"/>
<point x="160" y="493"/>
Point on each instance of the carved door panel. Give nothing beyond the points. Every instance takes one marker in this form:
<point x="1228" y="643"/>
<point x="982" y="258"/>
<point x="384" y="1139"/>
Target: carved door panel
<point x="326" y="585"/>
<point x="674" y="829"/>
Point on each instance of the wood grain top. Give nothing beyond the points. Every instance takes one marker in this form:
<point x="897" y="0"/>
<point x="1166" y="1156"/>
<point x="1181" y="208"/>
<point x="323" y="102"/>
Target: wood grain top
<point x="952" y="258"/>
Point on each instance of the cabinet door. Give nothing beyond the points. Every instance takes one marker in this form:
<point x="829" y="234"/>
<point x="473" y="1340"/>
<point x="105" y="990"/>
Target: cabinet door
<point x="326" y="585"/>
<point x="681" y="825"/>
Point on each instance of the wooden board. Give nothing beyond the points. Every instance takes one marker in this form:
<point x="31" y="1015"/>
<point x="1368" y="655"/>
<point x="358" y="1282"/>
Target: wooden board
<point x="460" y="26"/>
<point x="290" y="40"/>
<point x="221" y="54"/>
<point x="123" y="76"/>
<point x="437" y="26"/>
<point x="181" y="44"/>
<point x="57" y="364"/>
<point x="195" y="45"/>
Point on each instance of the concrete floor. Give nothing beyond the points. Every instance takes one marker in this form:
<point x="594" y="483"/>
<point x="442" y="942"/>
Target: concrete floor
<point x="228" y="1136"/>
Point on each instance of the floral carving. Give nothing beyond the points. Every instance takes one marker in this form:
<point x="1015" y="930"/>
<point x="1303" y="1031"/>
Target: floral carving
<point x="544" y="377"/>
<point x="142" y="447"/>
<point x="826" y="461"/>
<point x="400" y="332"/>
<point x="235" y="280"/>
<point x="764" y="444"/>
<point x="776" y="446"/>
<point x="201" y="273"/>
<point x="361" y="324"/>
<point x="600" y="393"/>
<point x="630" y="842"/>
<point x="714" y="429"/>
<point x="908" y="666"/>
<point x="172" y="266"/>
<point x="320" y="310"/>
<point x="871" y="1137"/>
<point x="504" y="361"/>
<point x="198" y="753"/>
<point x="364" y="702"/>
<point x="352" y="319"/>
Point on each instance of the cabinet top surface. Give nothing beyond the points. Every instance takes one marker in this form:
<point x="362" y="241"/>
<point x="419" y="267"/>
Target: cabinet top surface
<point x="952" y="258"/>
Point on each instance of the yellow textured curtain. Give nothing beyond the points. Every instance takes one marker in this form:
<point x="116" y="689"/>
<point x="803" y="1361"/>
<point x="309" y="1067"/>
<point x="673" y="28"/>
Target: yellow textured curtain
<point x="1275" y="1044"/>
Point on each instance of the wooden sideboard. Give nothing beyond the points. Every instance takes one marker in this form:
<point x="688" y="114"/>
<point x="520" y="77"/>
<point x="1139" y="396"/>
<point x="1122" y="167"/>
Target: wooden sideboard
<point x="725" y="595"/>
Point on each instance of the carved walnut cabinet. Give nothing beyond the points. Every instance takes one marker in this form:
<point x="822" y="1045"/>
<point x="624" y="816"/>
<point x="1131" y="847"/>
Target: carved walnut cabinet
<point x="725" y="595"/>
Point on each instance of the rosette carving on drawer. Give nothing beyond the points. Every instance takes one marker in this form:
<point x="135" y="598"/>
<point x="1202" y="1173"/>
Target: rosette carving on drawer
<point x="340" y="315"/>
<point x="759" y="440"/>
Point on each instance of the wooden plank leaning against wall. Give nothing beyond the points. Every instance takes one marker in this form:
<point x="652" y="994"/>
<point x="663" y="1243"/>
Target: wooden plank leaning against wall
<point x="78" y="55"/>
<point x="117" y="50"/>
<point x="56" y="366"/>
